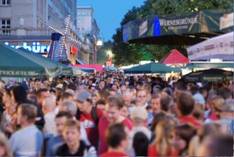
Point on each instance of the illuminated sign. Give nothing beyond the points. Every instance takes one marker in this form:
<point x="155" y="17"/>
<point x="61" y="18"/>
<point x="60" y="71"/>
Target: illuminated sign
<point x="36" y="47"/>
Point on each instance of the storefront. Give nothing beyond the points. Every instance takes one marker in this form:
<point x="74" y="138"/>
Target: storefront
<point x="32" y="43"/>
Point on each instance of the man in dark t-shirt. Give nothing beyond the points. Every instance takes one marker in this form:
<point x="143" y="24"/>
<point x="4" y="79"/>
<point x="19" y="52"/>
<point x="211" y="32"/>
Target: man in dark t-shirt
<point x="74" y="146"/>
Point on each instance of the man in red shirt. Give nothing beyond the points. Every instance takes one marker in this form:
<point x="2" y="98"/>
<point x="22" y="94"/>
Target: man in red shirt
<point x="185" y="105"/>
<point x="113" y="116"/>
<point x="89" y="116"/>
<point x="117" y="141"/>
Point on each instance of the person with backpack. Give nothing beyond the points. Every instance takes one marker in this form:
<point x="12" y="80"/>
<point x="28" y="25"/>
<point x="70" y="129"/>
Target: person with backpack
<point x="89" y="116"/>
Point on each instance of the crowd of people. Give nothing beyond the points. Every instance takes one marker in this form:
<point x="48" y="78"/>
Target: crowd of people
<point x="114" y="115"/>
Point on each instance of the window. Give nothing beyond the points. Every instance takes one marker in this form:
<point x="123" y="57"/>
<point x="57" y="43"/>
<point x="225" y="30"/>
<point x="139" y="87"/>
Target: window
<point x="6" y="2"/>
<point x="6" y="26"/>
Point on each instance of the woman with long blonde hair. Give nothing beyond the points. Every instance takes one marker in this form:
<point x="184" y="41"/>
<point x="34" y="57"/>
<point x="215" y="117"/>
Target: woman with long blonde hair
<point x="162" y="145"/>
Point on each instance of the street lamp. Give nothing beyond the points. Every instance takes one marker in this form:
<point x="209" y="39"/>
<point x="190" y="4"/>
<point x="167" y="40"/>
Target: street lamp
<point x="110" y="56"/>
<point x="109" y="53"/>
<point x="99" y="42"/>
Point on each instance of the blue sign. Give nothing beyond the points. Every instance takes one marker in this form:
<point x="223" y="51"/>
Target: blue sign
<point x="125" y="34"/>
<point x="157" y="28"/>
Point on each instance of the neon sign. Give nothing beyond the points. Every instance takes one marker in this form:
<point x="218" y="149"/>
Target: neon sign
<point x="36" y="47"/>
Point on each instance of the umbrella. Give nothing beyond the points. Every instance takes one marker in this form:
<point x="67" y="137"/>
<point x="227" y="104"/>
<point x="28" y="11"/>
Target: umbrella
<point x="13" y="64"/>
<point x="208" y="75"/>
<point x="152" y="68"/>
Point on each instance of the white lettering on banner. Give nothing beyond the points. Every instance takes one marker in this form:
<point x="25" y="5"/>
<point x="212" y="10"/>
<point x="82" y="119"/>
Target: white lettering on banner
<point x="143" y="28"/>
<point x="177" y="22"/>
<point x="178" y="27"/>
<point x="17" y="73"/>
<point x="36" y="47"/>
<point x="220" y="46"/>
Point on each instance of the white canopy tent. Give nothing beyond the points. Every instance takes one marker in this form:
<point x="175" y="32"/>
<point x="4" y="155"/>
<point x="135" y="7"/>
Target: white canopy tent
<point x="220" y="47"/>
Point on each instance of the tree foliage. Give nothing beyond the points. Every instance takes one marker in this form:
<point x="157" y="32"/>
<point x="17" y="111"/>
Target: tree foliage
<point x="102" y="52"/>
<point x="133" y="53"/>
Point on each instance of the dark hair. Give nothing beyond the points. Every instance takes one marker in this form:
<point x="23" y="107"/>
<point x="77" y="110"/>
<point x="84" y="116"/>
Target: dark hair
<point x="72" y="86"/>
<point x="221" y="145"/>
<point x="140" y="144"/>
<point x="1" y="97"/>
<point x="72" y="123"/>
<point x="52" y="90"/>
<point x="165" y="101"/>
<point x="180" y="85"/>
<point x="66" y="95"/>
<point x="29" y="111"/>
<point x="185" y="103"/>
<point x="193" y="89"/>
<point x="185" y="132"/>
<point x="114" y="101"/>
<point x="101" y="101"/>
<point x="38" y="93"/>
<point x="157" y="118"/>
<point x="209" y="129"/>
<point x="224" y="92"/>
<point x="168" y="90"/>
<point x="116" y="134"/>
<point x="61" y="114"/>
<point x="20" y="94"/>
<point x="155" y="96"/>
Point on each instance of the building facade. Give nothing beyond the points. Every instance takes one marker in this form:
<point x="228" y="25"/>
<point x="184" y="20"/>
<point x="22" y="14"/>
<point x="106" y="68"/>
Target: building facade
<point x="88" y="30"/>
<point x="31" y="22"/>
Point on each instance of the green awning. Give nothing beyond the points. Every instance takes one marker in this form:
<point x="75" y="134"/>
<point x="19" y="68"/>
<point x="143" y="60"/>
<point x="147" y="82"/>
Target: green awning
<point x="52" y="67"/>
<point x="13" y="64"/>
<point x="152" y="68"/>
